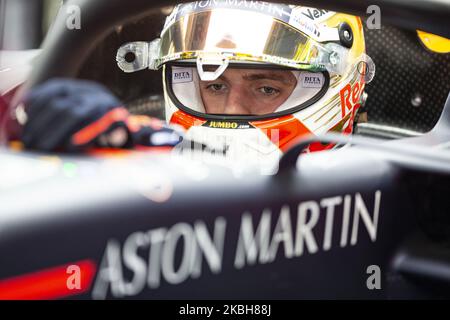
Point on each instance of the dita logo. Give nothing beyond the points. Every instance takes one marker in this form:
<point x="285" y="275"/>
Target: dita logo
<point x="181" y="75"/>
<point x="312" y="80"/>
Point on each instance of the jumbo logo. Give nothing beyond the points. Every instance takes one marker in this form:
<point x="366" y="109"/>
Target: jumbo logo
<point x="350" y="97"/>
<point x="223" y="125"/>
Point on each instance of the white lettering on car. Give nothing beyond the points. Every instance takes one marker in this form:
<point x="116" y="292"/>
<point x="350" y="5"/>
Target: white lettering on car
<point x="152" y="257"/>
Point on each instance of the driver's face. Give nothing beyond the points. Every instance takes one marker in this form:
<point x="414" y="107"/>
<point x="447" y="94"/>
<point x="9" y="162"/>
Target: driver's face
<point x="247" y="91"/>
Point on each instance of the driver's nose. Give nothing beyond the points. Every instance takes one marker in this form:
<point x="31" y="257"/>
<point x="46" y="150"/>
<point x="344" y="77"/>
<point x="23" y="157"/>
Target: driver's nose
<point x="237" y="101"/>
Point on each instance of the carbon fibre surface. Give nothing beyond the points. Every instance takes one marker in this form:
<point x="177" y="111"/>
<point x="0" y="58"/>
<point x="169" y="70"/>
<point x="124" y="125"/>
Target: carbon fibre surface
<point x="411" y="83"/>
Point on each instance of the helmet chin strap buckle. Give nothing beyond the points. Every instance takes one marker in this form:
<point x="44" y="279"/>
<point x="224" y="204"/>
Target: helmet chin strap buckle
<point x="217" y="60"/>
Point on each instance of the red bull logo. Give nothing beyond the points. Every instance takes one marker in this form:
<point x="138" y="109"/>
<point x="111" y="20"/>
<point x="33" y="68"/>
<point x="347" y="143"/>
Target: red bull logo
<point x="351" y="97"/>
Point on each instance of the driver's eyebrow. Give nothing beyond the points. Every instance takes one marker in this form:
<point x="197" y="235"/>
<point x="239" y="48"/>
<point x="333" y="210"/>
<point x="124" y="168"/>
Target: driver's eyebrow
<point x="269" y="76"/>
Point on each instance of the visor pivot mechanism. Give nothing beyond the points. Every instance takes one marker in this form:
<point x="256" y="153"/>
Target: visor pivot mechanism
<point x="216" y="60"/>
<point x="133" y="56"/>
<point x="138" y="55"/>
<point x="334" y="58"/>
<point x="345" y="35"/>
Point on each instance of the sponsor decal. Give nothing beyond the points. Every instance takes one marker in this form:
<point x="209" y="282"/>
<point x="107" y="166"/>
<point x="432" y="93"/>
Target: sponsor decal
<point x="303" y="18"/>
<point x="307" y="20"/>
<point x="227" y="125"/>
<point x="351" y="97"/>
<point x="181" y="75"/>
<point x="306" y="26"/>
<point x="279" y="11"/>
<point x="171" y="255"/>
<point x="316" y="15"/>
<point x="311" y="80"/>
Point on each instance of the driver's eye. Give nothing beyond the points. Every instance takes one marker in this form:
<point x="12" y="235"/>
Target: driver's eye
<point x="269" y="91"/>
<point x="216" y="87"/>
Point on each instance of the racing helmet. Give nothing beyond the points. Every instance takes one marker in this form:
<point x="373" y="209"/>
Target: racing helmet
<point x="322" y="52"/>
